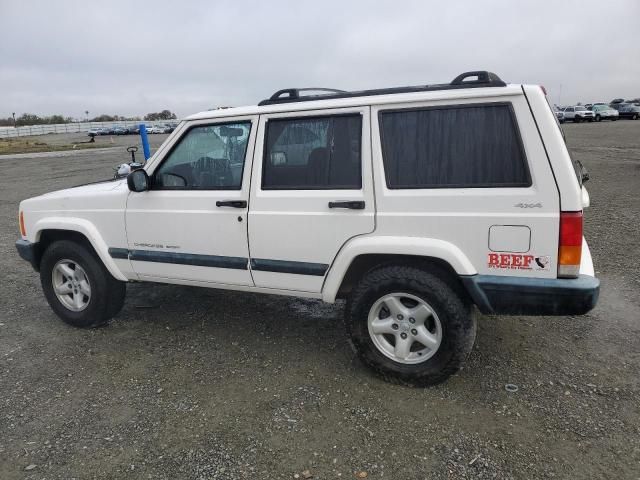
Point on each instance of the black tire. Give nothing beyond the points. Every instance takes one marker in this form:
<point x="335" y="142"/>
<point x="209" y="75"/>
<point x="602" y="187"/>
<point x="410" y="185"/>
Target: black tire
<point x="634" y="117"/>
<point x="455" y="314"/>
<point x="107" y="293"/>
<point x="598" y="118"/>
<point x="576" y="119"/>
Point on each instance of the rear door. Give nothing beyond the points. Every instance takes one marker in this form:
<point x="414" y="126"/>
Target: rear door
<point x="311" y="192"/>
<point x="475" y="175"/>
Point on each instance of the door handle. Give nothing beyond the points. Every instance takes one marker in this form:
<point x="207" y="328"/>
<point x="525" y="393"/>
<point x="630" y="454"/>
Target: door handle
<point x="352" y="204"/>
<point x="232" y="203"/>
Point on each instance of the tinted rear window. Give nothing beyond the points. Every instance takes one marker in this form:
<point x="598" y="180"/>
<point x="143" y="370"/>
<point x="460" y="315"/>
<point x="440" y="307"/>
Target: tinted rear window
<point x="453" y="147"/>
<point x="313" y="153"/>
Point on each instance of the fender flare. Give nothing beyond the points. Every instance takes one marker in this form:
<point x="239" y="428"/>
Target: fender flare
<point x="390" y="245"/>
<point x="86" y="228"/>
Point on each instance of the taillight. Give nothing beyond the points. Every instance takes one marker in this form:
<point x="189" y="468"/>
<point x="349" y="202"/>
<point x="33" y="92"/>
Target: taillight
<point x="23" y="231"/>
<point x="570" y="246"/>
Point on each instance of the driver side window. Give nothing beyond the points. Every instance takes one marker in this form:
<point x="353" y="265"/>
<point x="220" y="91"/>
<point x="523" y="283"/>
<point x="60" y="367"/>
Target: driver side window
<point x="207" y="157"/>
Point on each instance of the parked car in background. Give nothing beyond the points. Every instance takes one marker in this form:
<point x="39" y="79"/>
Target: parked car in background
<point x="119" y="131"/>
<point x="133" y="129"/>
<point x="99" y="131"/>
<point x="156" y="129"/>
<point x="559" y="114"/>
<point x="604" y="112"/>
<point x="578" y="114"/>
<point x="627" y="110"/>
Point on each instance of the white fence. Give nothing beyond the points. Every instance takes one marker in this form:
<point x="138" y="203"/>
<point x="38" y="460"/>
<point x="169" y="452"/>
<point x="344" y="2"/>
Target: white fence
<point x="82" y="127"/>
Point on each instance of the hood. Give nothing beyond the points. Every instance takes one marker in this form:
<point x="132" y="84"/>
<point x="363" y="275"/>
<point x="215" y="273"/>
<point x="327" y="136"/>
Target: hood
<point x="87" y="189"/>
<point x="111" y="195"/>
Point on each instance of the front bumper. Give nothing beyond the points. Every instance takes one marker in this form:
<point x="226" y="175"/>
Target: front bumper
<point x="501" y="295"/>
<point x="29" y="252"/>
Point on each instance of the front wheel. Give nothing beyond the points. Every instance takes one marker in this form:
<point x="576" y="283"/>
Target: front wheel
<point x="598" y="118"/>
<point x="409" y="326"/>
<point x="576" y="119"/>
<point x="78" y="287"/>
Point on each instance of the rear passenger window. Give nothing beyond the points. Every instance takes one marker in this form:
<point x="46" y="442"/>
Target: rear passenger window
<point x="313" y="153"/>
<point x="453" y="147"/>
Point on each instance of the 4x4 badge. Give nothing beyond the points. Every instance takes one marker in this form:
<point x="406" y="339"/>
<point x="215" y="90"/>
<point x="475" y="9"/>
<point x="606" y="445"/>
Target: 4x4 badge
<point x="528" y="205"/>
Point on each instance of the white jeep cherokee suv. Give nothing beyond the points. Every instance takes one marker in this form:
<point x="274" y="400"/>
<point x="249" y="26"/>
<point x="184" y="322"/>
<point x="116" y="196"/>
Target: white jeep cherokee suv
<point x="414" y="204"/>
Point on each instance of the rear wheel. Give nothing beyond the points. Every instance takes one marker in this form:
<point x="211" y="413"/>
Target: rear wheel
<point x="576" y="119"/>
<point x="635" y="116"/>
<point x="78" y="287"/>
<point x="409" y="326"/>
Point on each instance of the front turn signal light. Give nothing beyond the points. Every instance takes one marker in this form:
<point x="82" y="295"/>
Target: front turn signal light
<point x="23" y="231"/>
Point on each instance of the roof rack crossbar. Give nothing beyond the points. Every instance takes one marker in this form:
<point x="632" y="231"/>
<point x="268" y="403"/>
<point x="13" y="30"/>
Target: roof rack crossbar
<point x="475" y="79"/>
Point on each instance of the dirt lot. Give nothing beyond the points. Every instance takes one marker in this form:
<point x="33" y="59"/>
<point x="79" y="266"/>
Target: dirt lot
<point x="196" y="383"/>
<point x="71" y="141"/>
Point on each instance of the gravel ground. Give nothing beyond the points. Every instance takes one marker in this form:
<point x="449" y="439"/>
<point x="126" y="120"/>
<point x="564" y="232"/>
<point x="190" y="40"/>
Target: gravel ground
<point x="196" y="383"/>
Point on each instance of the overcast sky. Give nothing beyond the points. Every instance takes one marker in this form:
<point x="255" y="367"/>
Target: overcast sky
<point x="130" y="58"/>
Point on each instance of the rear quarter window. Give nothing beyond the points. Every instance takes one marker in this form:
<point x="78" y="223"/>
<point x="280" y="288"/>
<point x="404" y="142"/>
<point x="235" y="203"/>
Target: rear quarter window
<point x="453" y="147"/>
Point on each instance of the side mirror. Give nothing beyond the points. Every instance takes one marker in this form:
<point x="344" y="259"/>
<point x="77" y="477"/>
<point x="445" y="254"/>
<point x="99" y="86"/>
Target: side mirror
<point x="582" y="171"/>
<point x="138" y="181"/>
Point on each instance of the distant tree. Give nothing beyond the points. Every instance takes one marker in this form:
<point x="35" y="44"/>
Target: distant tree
<point x="32" y="119"/>
<point x="28" y="119"/>
<point x="55" y="119"/>
<point x="103" y="118"/>
<point x="163" y="115"/>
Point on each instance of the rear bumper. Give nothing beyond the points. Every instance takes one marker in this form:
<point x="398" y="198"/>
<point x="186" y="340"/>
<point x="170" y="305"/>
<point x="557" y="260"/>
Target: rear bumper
<point x="28" y="251"/>
<point x="533" y="296"/>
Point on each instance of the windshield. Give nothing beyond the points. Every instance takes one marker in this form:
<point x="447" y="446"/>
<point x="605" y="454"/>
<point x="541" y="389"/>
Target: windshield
<point x="580" y="109"/>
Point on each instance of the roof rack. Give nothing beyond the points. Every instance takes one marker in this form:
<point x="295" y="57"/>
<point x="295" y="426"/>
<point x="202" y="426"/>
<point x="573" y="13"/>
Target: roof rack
<point x="475" y="79"/>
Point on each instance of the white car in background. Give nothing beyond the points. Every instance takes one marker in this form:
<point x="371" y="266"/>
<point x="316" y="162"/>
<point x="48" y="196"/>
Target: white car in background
<point x="559" y="114"/>
<point x="578" y="114"/>
<point x="604" y="112"/>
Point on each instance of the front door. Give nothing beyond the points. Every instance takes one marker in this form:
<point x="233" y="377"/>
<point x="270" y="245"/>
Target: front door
<point x="191" y="224"/>
<point x="311" y="192"/>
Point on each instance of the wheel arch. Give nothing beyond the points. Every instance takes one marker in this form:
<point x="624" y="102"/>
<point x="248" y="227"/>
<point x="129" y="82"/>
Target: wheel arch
<point x="82" y="231"/>
<point x="364" y="254"/>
